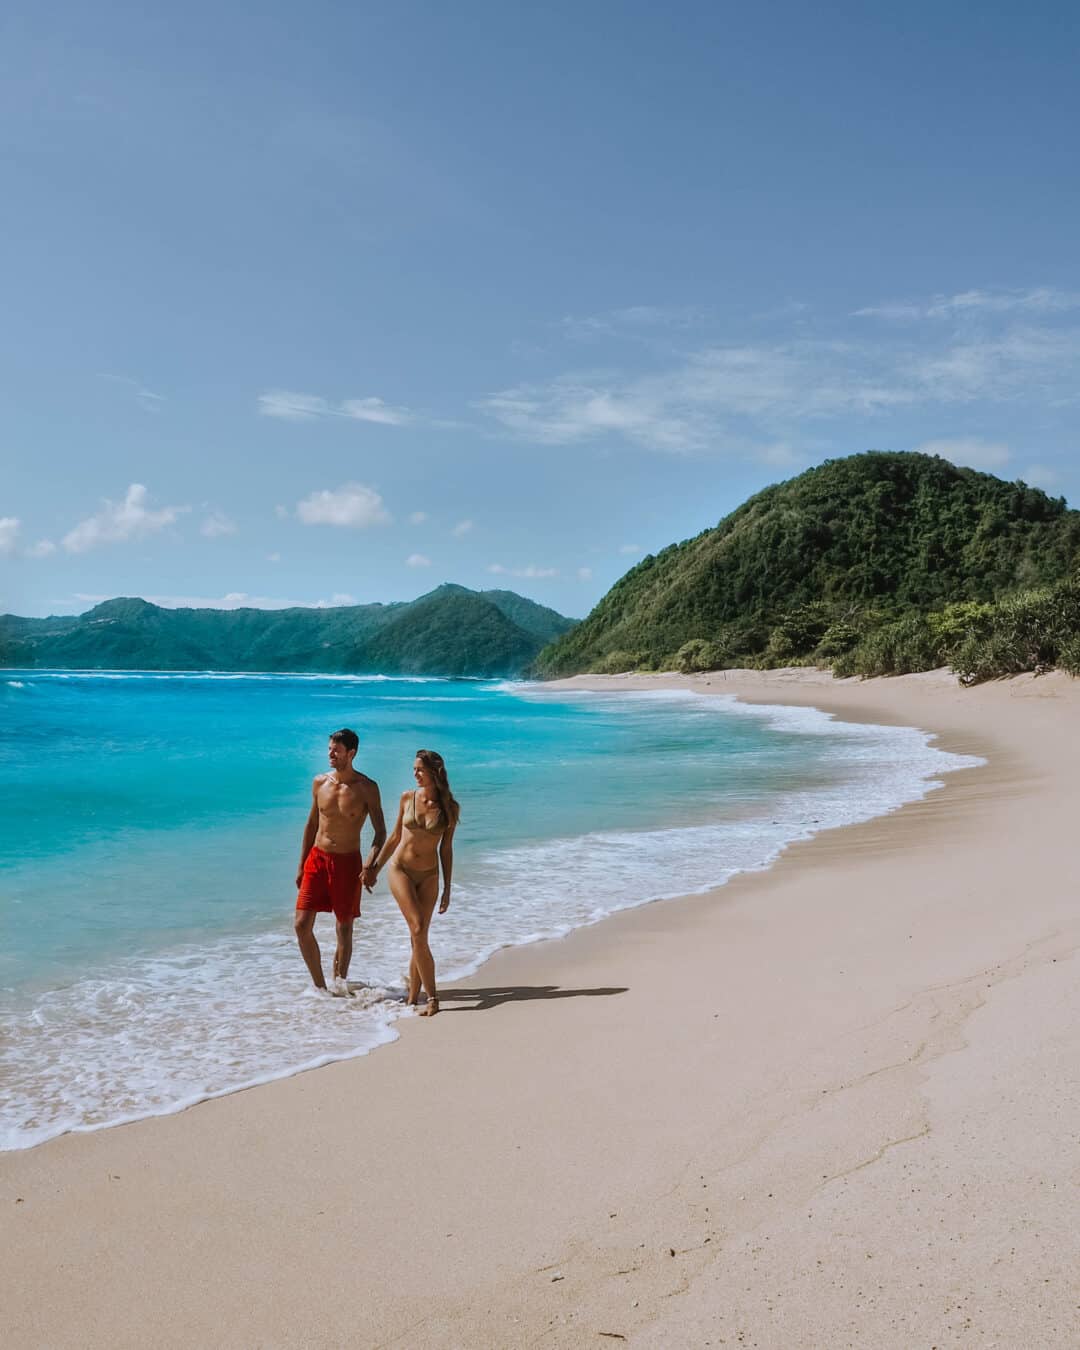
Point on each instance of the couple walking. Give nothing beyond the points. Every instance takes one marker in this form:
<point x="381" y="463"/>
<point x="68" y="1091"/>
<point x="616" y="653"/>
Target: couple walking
<point x="333" y="877"/>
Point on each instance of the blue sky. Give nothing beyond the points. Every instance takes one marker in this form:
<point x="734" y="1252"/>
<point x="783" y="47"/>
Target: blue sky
<point x="342" y="300"/>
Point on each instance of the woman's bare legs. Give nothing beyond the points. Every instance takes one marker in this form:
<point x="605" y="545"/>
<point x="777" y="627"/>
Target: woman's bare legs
<point x="414" y="983"/>
<point x="417" y="905"/>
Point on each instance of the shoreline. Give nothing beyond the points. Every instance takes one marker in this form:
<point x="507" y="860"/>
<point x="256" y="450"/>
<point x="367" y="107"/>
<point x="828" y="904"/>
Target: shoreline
<point x="584" y="1139"/>
<point x="376" y="1000"/>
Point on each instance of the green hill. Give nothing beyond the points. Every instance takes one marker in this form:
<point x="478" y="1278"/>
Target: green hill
<point x="819" y="567"/>
<point x="455" y="633"/>
<point x="451" y="631"/>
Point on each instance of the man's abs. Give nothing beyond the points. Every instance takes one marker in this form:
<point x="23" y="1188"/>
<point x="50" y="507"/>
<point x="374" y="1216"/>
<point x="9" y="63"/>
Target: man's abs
<point x="339" y="834"/>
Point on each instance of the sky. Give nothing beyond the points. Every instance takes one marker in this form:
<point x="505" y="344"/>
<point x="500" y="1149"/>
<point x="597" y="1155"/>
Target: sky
<point x="331" y="303"/>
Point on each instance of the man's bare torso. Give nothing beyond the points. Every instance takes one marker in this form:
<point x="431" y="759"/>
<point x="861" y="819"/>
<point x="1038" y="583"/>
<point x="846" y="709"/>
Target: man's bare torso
<point x="343" y="807"/>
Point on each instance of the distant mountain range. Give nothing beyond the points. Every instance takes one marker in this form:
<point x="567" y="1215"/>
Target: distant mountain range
<point x="449" y="631"/>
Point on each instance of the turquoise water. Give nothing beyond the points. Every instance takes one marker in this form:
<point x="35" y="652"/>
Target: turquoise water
<point x="150" y="830"/>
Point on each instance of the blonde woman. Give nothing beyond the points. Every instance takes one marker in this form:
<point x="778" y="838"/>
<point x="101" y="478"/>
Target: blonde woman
<point x="421" y="840"/>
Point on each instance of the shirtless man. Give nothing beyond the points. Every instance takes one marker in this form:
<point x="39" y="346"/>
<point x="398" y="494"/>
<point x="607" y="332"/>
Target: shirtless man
<point x="331" y="875"/>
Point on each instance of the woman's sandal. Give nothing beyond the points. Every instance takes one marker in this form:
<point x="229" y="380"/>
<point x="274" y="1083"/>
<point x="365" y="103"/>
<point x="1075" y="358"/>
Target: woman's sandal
<point x="432" y="1006"/>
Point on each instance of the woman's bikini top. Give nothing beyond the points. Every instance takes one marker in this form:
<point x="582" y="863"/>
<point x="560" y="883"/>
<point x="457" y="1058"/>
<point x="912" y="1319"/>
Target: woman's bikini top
<point x="411" y="822"/>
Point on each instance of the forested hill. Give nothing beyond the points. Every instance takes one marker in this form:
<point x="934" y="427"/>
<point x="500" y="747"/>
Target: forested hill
<point x="450" y="631"/>
<point x="831" y="565"/>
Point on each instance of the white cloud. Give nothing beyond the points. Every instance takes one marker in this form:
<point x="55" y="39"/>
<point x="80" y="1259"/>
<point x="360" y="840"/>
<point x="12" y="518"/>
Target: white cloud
<point x="1034" y="300"/>
<point x="10" y="528"/>
<point x="631" y="550"/>
<point x="294" y="407"/>
<point x="352" y="504"/>
<point x="216" y="524"/>
<point x="584" y="574"/>
<point x="374" y="410"/>
<point x="758" y="398"/>
<point x="969" y="451"/>
<point x="705" y="400"/>
<point x="417" y="560"/>
<point x="10" y="534"/>
<point x="117" y="522"/>
<point x="532" y="571"/>
<point x="282" y="512"/>
<point x="417" y="517"/>
<point x="461" y="529"/>
<point x="146" y="398"/>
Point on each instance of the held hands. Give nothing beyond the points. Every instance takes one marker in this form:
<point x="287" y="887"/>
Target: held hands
<point x="368" y="877"/>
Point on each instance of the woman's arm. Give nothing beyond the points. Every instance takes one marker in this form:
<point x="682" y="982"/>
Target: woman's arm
<point x="387" y="849"/>
<point x="446" y="857"/>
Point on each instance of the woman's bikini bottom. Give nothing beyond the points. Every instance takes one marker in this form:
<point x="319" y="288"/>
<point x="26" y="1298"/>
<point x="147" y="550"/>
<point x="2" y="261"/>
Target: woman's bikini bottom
<point x="415" y="876"/>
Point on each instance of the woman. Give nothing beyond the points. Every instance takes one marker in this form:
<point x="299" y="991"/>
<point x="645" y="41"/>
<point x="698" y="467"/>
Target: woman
<point x="421" y="839"/>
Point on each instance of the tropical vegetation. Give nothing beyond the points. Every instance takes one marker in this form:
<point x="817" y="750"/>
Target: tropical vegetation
<point x="880" y="563"/>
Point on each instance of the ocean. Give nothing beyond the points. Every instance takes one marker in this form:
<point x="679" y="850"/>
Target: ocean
<point x="150" y="828"/>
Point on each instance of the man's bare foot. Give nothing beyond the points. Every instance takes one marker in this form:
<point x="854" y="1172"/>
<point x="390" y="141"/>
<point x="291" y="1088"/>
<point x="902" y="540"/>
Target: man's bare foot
<point x="431" y="1007"/>
<point x="339" y="987"/>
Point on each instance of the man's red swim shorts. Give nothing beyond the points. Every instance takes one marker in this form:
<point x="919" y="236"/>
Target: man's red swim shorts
<point x="331" y="881"/>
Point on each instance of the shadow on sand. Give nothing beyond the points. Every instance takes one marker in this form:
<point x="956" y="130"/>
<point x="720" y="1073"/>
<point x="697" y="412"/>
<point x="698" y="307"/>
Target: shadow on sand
<point x="480" y="1000"/>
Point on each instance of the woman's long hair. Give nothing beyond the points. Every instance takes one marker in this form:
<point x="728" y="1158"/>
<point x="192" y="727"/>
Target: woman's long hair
<point x="436" y="766"/>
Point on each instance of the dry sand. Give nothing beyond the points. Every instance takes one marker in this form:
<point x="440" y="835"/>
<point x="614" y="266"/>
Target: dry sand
<point x="830" y="1105"/>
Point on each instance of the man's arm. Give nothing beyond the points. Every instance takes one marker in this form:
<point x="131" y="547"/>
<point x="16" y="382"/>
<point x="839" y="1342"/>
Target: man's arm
<point x="375" y="811"/>
<point x="311" y="829"/>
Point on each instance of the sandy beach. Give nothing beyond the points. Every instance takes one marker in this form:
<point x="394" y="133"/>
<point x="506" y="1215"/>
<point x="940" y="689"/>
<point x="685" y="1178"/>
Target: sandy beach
<point x="831" y="1104"/>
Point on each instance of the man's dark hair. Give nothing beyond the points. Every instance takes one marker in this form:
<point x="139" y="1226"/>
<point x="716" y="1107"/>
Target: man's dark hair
<point x="349" y="739"/>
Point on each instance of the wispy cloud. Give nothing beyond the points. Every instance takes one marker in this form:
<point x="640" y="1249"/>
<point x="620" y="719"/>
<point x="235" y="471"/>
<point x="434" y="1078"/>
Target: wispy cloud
<point x="584" y="574"/>
<point x="1034" y="300"/>
<point x="10" y="529"/>
<point x="461" y="529"/>
<point x="117" y="522"/>
<point x="417" y="517"/>
<point x="146" y="398"/>
<point x="417" y="560"/>
<point x="216" y="524"/>
<point x="636" y="322"/>
<point x="631" y="550"/>
<point x="969" y="451"/>
<point x="759" y="398"/>
<point x="352" y="504"/>
<point x="531" y="571"/>
<point x="11" y="541"/>
<point x="295" y="407"/>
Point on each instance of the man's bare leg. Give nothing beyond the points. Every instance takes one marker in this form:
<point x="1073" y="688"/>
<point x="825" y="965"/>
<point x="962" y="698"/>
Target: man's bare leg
<point x="304" y="926"/>
<point x="343" y="955"/>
